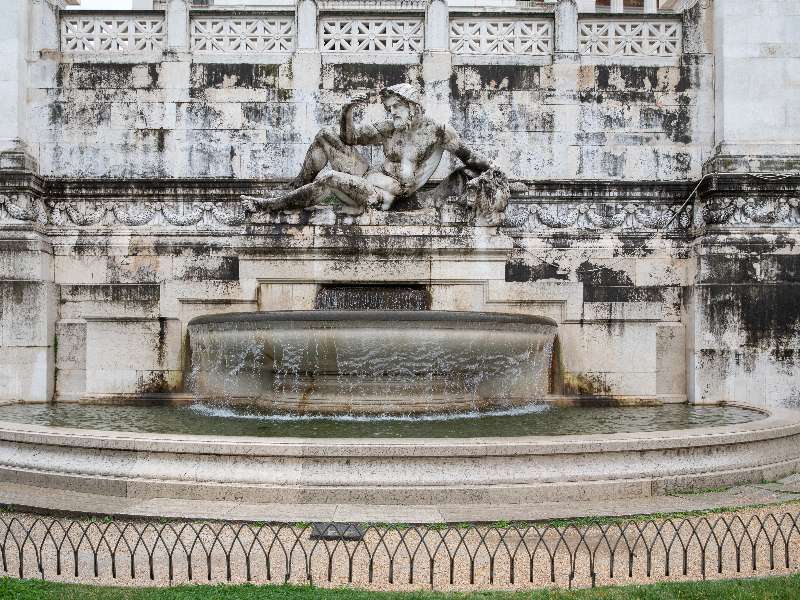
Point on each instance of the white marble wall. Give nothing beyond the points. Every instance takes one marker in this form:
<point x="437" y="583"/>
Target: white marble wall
<point x="757" y="71"/>
<point x="559" y="113"/>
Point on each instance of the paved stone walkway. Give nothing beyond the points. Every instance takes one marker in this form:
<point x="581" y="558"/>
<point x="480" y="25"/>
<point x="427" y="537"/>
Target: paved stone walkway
<point x="34" y="499"/>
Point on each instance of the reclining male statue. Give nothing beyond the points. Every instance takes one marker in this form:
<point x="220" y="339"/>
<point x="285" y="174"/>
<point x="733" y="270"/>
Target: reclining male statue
<point x="413" y="145"/>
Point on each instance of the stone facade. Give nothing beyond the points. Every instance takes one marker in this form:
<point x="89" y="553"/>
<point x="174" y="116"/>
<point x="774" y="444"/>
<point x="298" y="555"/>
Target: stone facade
<point x="128" y="139"/>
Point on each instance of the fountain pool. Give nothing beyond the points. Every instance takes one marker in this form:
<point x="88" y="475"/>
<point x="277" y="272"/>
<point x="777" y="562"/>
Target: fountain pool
<point x="531" y="420"/>
<point x="386" y="407"/>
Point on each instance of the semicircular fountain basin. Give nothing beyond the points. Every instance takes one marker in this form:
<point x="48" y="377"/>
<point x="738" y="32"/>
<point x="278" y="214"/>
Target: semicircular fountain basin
<point x="371" y="362"/>
<point x="151" y="457"/>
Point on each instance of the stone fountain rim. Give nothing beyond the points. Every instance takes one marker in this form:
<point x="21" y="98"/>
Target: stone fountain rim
<point x="388" y="472"/>
<point x="374" y="316"/>
<point x="777" y="423"/>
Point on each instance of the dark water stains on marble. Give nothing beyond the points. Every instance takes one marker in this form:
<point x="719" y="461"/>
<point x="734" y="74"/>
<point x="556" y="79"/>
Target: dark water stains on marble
<point x="199" y="115"/>
<point x="519" y="271"/>
<point x="150" y="138"/>
<point x="105" y="75"/>
<point x="272" y="116"/>
<point x="224" y="268"/>
<point x="591" y="274"/>
<point x="603" y="293"/>
<point x="631" y="77"/>
<point x="179" y="248"/>
<point x="77" y="115"/>
<point x="153" y="382"/>
<point x="634" y="246"/>
<point x="612" y="164"/>
<point x="366" y="76"/>
<point x="677" y="122"/>
<point x="126" y="294"/>
<point x="768" y="316"/>
<point x="233" y="75"/>
<point x="722" y="269"/>
<point x="469" y="80"/>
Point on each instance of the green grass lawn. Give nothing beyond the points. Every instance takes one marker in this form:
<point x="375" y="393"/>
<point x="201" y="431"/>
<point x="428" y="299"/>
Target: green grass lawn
<point x="772" y="588"/>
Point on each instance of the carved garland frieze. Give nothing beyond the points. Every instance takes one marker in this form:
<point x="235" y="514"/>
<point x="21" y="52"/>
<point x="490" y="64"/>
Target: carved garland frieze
<point x="129" y="214"/>
<point x="586" y="215"/>
<point x="752" y="212"/>
<point x="525" y="215"/>
<point x="22" y="208"/>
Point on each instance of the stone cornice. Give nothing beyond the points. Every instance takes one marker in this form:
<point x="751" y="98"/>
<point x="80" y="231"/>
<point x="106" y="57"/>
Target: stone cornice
<point x="213" y="204"/>
<point x="536" y="207"/>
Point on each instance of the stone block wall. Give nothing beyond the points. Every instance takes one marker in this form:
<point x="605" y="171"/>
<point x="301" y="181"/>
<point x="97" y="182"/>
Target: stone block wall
<point x="132" y="223"/>
<point x="553" y="113"/>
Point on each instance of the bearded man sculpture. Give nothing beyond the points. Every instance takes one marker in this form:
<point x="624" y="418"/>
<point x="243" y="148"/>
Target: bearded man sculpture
<point x="413" y="145"/>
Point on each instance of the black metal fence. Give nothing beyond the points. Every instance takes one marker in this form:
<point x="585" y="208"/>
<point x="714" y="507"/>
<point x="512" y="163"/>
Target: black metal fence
<point x="394" y="556"/>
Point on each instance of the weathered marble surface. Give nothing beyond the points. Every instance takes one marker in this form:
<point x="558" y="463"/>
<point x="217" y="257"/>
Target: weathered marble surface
<point x="121" y="175"/>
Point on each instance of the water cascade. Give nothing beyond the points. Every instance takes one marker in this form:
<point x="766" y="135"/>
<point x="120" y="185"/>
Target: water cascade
<point x="371" y="361"/>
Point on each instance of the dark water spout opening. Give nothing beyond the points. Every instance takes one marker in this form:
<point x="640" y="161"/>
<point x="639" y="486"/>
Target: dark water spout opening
<point x="373" y="297"/>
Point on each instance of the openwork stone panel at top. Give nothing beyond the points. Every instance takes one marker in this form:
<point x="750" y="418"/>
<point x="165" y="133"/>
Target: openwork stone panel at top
<point x="630" y="38"/>
<point x="243" y="34"/>
<point x="501" y="36"/>
<point x="372" y="35"/>
<point x="97" y="33"/>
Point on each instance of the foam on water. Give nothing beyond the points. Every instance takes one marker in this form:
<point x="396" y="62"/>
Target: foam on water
<point x="207" y="410"/>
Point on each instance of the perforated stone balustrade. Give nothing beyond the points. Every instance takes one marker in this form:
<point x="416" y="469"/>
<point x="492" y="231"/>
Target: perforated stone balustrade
<point x="607" y="29"/>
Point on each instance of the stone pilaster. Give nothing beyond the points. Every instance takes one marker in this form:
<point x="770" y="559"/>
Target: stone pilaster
<point x="566" y="32"/>
<point x="757" y="88"/>
<point x="28" y="295"/>
<point x="743" y="321"/>
<point x="307" y="61"/>
<point x="14" y="31"/>
<point x="743" y="324"/>
<point x="177" y="15"/>
<point x="437" y="62"/>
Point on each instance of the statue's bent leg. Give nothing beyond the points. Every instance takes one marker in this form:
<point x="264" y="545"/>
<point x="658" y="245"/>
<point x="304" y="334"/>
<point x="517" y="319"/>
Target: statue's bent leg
<point x="328" y="148"/>
<point x="354" y="192"/>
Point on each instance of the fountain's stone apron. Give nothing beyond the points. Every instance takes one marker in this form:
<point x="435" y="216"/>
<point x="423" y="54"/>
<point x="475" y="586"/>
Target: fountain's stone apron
<point x="372" y="362"/>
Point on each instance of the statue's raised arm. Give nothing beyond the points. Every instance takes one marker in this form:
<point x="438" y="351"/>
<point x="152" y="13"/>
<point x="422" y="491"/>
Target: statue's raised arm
<point x="413" y="145"/>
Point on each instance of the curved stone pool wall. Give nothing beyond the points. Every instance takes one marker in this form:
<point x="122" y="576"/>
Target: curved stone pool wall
<point x="408" y="471"/>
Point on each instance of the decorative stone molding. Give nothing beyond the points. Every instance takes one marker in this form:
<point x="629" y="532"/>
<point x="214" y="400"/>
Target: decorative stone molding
<point x="597" y="216"/>
<point x="751" y="211"/>
<point x="252" y="34"/>
<point x="372" y="35"/>
<point x="501" y="36"/>
<point x="628" y="37"/>
<point x="135" y="214"/>
<point x="211" y="204"/>
<point x="749" y="200"/>
<point x="520" y="214"/>
<point x="112" y="34"/>
<point x="21" y="207"/>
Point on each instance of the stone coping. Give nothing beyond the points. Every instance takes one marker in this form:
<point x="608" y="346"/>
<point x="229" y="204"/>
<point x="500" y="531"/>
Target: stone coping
<point x="371" y="317"/>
